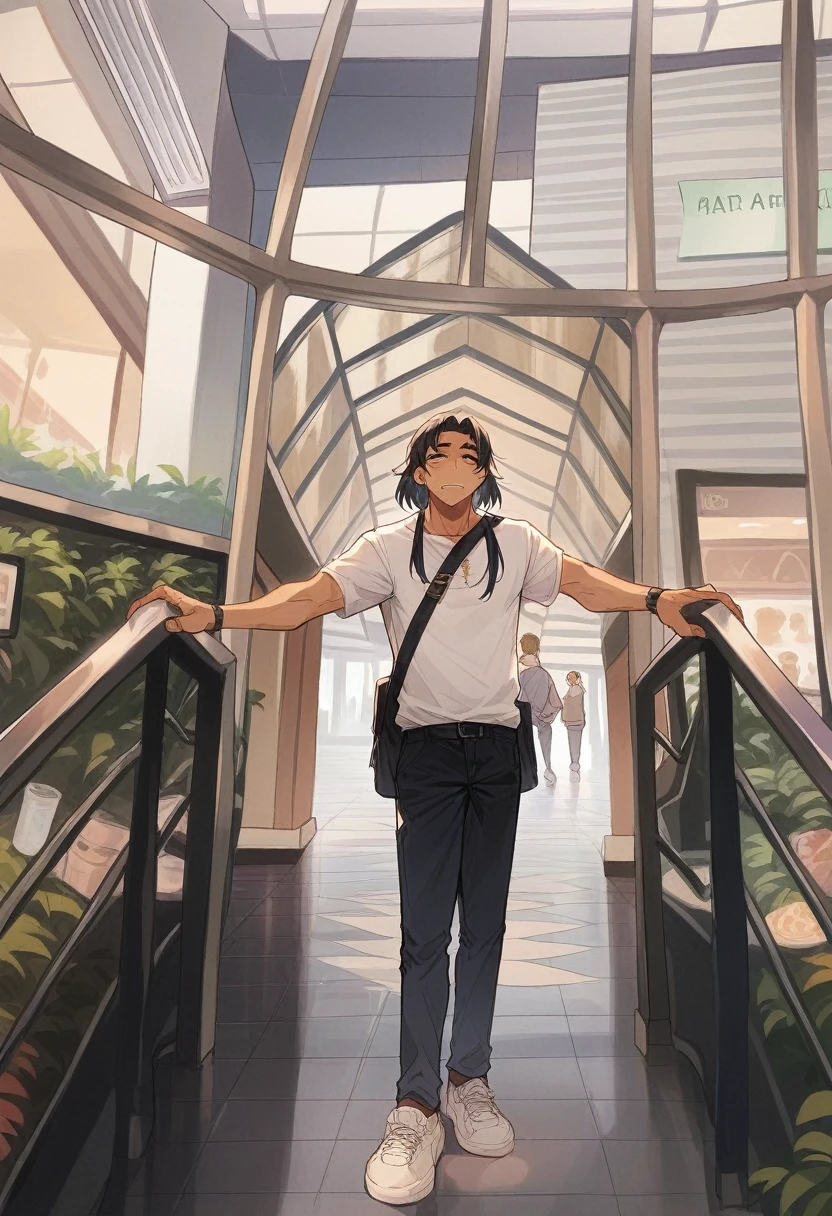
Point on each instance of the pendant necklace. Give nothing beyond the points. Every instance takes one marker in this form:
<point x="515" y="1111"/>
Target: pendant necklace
<point x="466" y="569"/>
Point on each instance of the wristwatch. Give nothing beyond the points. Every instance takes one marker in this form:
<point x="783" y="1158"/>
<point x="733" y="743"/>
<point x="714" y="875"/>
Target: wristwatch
<point x="652" y="599"/>
<point x="218" y="618"/>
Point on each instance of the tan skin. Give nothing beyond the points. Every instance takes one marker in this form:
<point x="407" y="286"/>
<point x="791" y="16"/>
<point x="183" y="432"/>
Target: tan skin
<point x="452" y="477"/>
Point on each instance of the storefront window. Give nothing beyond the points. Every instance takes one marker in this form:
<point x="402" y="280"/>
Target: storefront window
<point x="753" y="541"/>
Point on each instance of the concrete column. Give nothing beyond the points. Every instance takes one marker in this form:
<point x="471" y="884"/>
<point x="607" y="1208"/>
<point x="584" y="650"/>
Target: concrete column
<point x="617" y="677"/>
<point x="280" y="783"/>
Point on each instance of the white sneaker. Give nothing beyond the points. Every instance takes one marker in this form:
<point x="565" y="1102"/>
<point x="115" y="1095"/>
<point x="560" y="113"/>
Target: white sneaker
<point x="480" y="1127"/>
<point x="403" y="1167"/>
<point x="549" y="777"/>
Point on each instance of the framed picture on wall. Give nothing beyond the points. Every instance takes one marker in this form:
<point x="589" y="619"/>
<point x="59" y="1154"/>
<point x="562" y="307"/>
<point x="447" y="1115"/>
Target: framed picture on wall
<point x="11" y="594"/>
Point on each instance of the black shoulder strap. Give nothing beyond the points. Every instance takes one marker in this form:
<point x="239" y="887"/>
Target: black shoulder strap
<point x="434" y="593"/>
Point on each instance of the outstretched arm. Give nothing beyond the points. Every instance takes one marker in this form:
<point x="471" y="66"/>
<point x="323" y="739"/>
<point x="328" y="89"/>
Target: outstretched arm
<point x="285" y="608"/>
<point x="600" y="591"/>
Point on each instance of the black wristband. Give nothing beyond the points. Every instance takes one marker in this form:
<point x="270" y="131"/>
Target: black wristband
<point x="218" y="618"/>
<point x="652" y="599"/>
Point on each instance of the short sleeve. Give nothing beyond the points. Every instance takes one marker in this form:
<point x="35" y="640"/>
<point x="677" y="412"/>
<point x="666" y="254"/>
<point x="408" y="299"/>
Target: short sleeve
<point x="542" y="582"/>
<point x="363" y="575"/>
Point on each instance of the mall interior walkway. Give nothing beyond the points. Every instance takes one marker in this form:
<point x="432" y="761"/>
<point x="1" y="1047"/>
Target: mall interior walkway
<point x="282" y="1122"/>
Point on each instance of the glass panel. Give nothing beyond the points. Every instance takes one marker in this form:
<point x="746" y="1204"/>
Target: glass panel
<point x="435" y="259"/>
<point x="86" y="983"/>
<point x="304" y="375"/>
<point x="328" y="481"/>
<point x="520" y="379"/>
<point x="717" y="159"/>
<point x="798" y="809"/>
<point x="347" y="520"/>
<point x="683" y="822"/>
<point x="391" y="156"/>
<point x="693" y="687"/>
<point x="361" y="329"/>
<point x="586" y="452"/>
<point x="65" y="97"/>
<point x="122" y="364"/>
<point x="727" y="400"/>
<point x="564" y="375"/>
<point x="401" y="356"/>
<point x="77" y="587"/>
<point x="579" y="225"/>
<point x="339" y="521"/>
<point x="786" y="1089"/>
<point x="295" y="310"/>
<point x="754" y="542"/>
<point x="310" y="449"/>
<point x="86" y="761"/>
<point x="582" y="508"/>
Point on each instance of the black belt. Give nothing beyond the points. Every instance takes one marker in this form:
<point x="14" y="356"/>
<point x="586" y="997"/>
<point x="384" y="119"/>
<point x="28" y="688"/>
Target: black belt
<point x="459" y="730"/>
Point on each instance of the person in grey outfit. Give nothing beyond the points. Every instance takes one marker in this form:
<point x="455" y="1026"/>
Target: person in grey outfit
<point x="574" y="717"/>
<point x="538" y="688"/>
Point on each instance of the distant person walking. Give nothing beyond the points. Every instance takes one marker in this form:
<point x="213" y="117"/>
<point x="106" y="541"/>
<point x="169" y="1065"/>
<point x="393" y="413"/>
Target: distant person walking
<point x="574" y="717"/>
<point x="538" y="688"/>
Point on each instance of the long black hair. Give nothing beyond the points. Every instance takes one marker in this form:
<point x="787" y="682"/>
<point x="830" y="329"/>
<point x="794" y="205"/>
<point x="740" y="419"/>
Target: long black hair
<point x="409" y="493"/>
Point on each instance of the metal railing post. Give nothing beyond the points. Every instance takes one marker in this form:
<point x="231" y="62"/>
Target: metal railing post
<point x="208" y="848"/>
<point x="652" y="1017"/>
<point x="134" y="1087"/>
<point x="730" y="936"/>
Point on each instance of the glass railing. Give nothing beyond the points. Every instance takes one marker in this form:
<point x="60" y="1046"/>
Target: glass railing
<point x="734" y="774"/>
<point x="116" y="839"/>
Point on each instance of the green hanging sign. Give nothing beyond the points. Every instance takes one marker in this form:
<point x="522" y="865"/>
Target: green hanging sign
<point x="732" y="217"/>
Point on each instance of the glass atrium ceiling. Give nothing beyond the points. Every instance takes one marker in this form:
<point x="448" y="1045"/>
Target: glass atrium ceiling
<point x="434" y="29"/>
<point x="352" y="384"/>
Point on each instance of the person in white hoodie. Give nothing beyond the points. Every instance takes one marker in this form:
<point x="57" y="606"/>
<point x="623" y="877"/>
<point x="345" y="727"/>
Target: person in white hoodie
<point x="538" y="688"/>
<point x="574" y="717"/>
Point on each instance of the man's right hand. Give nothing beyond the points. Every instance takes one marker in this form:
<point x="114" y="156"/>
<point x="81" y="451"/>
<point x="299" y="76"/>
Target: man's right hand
<point x="194" y="615"/>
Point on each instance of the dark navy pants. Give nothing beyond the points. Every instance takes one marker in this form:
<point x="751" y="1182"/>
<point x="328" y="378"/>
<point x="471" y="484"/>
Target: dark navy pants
<point x="458" y="798"/>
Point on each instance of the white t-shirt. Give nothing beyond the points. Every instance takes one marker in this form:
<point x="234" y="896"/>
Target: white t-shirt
<point x="465" y="666"/>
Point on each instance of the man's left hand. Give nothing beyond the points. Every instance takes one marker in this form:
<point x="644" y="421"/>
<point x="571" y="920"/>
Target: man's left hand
<point x="671" y="603"/>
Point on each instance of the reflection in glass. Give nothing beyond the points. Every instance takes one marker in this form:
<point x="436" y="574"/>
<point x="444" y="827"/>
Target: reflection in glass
<point x="118" y="360"/>
<point x="754" y="543"/>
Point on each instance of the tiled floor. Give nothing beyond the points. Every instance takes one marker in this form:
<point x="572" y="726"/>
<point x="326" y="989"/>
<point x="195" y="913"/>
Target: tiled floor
<point x="282" y="1122"/>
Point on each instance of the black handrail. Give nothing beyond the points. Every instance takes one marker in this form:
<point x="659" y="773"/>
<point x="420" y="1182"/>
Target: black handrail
<point x="797" y="723"/>
<point x="730" y="656"/>
<point x="27" y="743"/>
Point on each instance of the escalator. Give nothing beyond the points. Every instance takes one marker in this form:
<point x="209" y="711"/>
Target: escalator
<point x="734" y="853"/>
<point x="117" y="827"/>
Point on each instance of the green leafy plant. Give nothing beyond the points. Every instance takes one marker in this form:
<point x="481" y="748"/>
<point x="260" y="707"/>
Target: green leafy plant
<point x="806" y="1185"/>
<point x="76" y="592"/>
<point x="788" y="794"/>
<point x="81" y="476"/>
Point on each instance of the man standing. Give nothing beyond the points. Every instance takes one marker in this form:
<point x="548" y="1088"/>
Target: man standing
<point x="538" y="688"/>
<point x="458" y="778"/>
